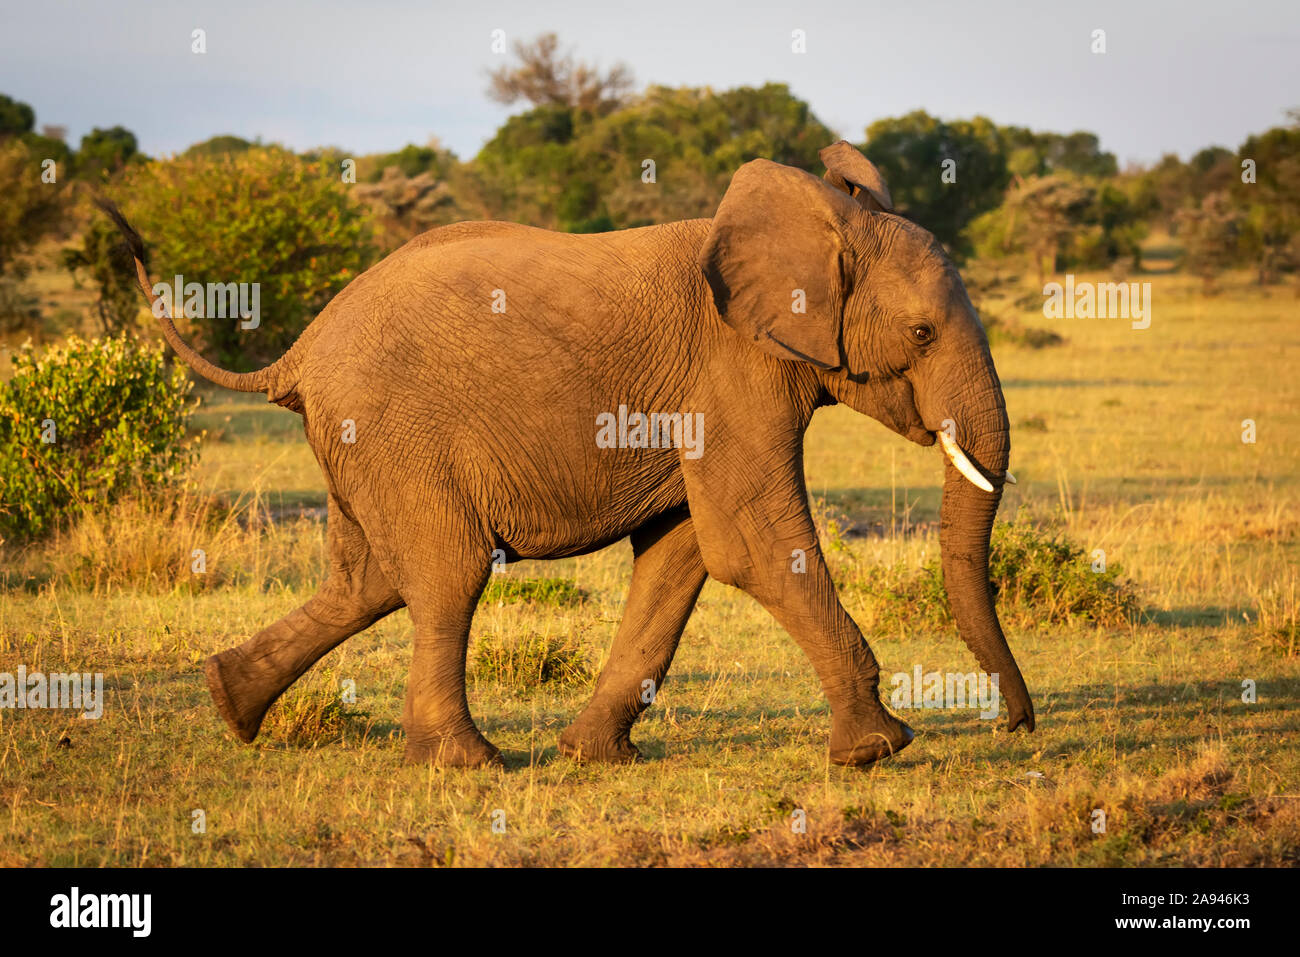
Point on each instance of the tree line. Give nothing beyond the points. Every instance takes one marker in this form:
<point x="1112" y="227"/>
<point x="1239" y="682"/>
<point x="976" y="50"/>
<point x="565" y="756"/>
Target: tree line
<point x="588" y="154"/>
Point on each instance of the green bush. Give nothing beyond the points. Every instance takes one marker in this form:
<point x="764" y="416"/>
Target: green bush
<point x="261" y="216"/>
<point x="103" y="260"/>
<point x="1038" y="575"/>
<point x="1041" y="572"/>
<point x="84" y="422"/>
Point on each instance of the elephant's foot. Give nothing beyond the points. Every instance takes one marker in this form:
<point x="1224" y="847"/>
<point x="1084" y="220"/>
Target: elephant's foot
<point x="862" y="743"/>
<point x="242" y="697"/>
<point x="461" y="749"/>
<point x="586" y="741"/>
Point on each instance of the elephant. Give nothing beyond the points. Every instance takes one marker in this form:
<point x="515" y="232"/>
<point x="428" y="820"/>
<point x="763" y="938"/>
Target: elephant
<point x="479" y="365"/>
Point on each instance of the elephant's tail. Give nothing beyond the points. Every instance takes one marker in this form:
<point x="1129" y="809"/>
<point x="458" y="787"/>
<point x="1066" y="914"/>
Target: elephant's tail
<point x="275" y="380"/>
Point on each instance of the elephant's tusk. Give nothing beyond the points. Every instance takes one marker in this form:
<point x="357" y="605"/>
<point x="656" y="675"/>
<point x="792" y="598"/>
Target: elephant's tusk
<point x="1011" y="479"/>
<point x="963" y="464"/>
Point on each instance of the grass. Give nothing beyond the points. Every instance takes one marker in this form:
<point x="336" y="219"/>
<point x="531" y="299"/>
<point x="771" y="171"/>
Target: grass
<point x="524" y="663"/>
<point x="313" y="713"/>
<point x="1135" y="449"/>
<point x="547" y="591"/>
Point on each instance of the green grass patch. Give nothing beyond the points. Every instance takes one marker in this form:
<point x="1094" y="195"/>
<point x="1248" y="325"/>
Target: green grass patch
<point x="539" y="591"/>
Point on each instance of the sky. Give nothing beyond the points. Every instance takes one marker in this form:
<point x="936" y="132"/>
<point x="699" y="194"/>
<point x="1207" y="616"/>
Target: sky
<point x="372" y="75"/>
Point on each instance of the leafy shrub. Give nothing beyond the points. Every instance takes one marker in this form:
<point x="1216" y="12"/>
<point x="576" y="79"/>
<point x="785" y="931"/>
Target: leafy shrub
<point x="116" y="415"/>
<point x="1038" y="575"/>
<point x="261" y="216"/>
<point x="103" y="260"/>
<point x="525" y="663"/>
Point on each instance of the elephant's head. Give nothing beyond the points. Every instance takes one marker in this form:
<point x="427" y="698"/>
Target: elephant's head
<point x="822" y="272"/>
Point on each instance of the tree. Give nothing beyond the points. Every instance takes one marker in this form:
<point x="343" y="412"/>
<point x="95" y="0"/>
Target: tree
<point x="1209" y="233"/>
<point x="15" y="118"/>
<point x="18" y="121"/>
<point x="411" y="160"/>
<point x="105" y="152"/>
<point x="224" y="145"/>
<point x="264" y="216"/>
<point x="47" y="147"/>
<point x="29" y="207"/>
<point x="1031" y="153"/>
<point x="914" y="152"/>
<point x="105" y="261"/>
<point x="1043" y="215"/>
<point x="543" y="77"/>
<point x="561" y="168"/>
<point x="1271" y="204"/>
<point x="404" y="206"/>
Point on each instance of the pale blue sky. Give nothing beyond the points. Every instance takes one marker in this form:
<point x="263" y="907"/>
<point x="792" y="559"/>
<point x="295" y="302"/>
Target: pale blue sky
<point x="373" y="75"/>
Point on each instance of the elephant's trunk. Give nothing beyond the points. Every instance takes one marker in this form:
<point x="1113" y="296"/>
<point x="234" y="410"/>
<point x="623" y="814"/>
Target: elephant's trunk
<point x="965" y="526"/>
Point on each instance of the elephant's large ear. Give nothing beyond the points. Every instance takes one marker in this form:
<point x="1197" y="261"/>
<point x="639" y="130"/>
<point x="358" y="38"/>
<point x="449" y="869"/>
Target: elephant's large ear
<point x="776" y="261"/>
<point x="848" y="170"/>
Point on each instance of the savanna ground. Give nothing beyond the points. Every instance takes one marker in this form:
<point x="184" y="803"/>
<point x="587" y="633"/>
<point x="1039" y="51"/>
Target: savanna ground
<point x="1125" y="440"/>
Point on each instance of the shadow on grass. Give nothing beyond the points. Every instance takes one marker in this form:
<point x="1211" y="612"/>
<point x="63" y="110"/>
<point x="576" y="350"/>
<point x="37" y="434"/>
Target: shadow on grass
<point x="1194" y="616"/>
<point x="1177" y="702"/>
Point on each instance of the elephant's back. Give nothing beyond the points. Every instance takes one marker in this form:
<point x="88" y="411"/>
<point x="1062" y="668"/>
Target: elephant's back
<point x="486" y="355"/>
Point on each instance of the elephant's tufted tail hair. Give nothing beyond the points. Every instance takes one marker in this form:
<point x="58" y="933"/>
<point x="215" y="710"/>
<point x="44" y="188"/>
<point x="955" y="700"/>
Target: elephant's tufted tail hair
<point x="276" y="380"/>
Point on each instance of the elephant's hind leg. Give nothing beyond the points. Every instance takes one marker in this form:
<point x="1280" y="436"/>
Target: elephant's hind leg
<point x="442" y="573"/>
<point x="246" y="680"/>
<point x="666" y="580"/>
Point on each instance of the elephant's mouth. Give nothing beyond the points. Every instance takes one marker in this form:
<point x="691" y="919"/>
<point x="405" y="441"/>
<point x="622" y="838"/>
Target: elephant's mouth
<point x="965" y="466"/>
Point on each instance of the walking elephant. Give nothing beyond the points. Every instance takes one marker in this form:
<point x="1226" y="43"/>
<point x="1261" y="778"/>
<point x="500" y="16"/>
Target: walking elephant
<point x="516" y="391"/>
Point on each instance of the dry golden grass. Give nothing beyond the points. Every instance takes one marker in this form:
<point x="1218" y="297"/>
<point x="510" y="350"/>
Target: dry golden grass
<point x="1135" y="446"/>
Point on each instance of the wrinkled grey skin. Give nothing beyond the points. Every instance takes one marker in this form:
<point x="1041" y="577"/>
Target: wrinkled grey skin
<point x="476" y="431"/>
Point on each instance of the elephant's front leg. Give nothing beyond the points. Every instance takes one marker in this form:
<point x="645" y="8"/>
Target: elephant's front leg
<point x="755" y="532"/>
<point x="667" y="576"/>
<point x="797" y="589"/>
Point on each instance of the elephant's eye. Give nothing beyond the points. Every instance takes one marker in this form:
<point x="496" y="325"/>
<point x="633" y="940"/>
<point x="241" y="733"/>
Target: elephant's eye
<point x="922" y="333"/>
